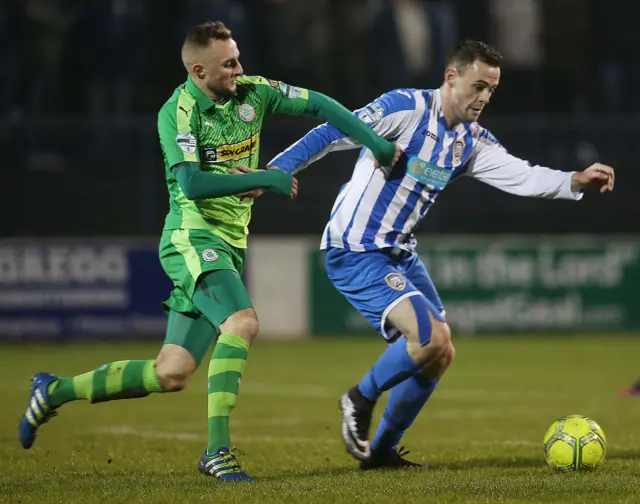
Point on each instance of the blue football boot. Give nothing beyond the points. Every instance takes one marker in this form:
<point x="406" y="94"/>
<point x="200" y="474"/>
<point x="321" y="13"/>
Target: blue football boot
<point x="224" y="466"/>
<point x="39" y="410"/>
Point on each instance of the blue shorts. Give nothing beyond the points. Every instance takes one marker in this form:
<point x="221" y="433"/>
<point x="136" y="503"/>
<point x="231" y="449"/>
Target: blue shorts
<point x="375" y="282"/>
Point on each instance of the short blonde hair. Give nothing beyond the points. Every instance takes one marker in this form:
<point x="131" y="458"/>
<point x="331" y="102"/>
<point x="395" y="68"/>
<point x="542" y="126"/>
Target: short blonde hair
<point x="200" y="35"/>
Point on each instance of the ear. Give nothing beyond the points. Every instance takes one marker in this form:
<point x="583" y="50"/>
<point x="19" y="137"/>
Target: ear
<point x="198" y="70"/>
<point x="450" y="76"/>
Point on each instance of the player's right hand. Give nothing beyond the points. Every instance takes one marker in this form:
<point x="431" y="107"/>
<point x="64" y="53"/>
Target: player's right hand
<point x="282" y="182"/>
<point x="399" y="152"/>
<point x="249" y="195"/>
<point x="387" y="169"/>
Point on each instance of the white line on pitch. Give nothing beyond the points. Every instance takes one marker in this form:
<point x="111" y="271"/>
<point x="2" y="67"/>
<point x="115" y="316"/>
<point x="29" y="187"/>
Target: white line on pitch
<point x="126" y="430"/>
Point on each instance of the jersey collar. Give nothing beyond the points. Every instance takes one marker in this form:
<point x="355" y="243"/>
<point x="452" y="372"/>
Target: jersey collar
<point x="202" y="99"/>
<point x="460" y="129"/>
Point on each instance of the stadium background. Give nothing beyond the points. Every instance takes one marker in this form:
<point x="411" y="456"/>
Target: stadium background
<point x="85" y="197"/>
<point x="542" y="296"/>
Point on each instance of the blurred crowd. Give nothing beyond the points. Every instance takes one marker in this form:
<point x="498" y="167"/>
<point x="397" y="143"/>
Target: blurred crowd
<point x="117" y="58"/>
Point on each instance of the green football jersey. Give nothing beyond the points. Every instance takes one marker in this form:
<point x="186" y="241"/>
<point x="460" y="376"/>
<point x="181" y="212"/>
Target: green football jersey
<point x="194" y="128"/>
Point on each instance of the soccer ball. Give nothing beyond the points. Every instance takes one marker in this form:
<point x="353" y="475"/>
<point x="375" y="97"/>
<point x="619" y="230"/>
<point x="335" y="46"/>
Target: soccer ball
<point x="574" y="443"/>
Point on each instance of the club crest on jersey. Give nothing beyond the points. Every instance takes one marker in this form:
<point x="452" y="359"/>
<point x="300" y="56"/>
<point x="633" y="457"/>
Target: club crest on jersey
<point x="186" y="141"/>
<point x="458" y="149"/>
<point x="396" y="281"/>
<point x="209" y="255"/>
<point x="246" y="112"/>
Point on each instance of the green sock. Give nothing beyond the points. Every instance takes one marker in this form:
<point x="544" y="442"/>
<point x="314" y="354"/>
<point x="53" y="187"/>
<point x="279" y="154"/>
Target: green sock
<point x="118" y="380"/>
<point x="225" y="371"/>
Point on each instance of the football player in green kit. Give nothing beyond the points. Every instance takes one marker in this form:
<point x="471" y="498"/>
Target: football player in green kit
<point x="209" y="126"/>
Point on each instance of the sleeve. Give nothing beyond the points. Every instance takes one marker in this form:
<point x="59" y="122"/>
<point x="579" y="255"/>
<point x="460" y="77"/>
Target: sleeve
<point x="196" y="184"/>
<point x="178" y="133"/>
<point x="492" y="164"/>
<point x="394" y="116"/>
<point x="280" y="98"/>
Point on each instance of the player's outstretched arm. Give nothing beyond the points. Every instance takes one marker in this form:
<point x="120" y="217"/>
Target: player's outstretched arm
<point x="394" y="115"/>
<point x="310" y="148"/>
<point x="329" y="110"/>
<point x="196" y="184"/>
<point x="281" y="98"/>
<point x="493" y="165"/>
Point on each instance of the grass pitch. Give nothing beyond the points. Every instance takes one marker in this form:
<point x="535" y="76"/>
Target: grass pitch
<point x="481" y="432"/>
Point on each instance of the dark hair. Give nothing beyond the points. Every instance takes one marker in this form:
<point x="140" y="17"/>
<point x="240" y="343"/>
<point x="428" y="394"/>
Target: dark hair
<point x="469" y="51"/>
<point x="200" y="35"/>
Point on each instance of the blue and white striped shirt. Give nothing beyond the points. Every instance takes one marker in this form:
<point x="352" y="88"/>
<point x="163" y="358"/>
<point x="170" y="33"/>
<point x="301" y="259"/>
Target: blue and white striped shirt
<point x="380" y="208"/>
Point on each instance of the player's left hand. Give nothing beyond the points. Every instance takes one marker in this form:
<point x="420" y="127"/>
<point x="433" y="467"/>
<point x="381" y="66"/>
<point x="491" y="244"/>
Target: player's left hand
<point x="294" y="186"/>
<point x="597" y="176"/>
<point x="256" y="193"/>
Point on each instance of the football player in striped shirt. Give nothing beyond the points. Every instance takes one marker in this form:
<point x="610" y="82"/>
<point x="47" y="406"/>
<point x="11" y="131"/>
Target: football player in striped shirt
<point x="369" y="242"/>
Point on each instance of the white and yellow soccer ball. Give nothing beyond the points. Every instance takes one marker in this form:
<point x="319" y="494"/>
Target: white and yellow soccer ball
<point x="574" y="443"/>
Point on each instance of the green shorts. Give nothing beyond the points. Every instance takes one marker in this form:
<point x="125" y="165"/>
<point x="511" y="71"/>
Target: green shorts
<point x="187" y="254"/>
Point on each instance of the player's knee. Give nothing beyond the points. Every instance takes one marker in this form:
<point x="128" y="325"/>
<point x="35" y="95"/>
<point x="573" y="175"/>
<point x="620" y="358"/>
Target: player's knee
<point x="441" y="336"/>
<point x="172" y="377"/>
<point x="445" y="361"/>
<point x="437" y="346"/>
<point x="174" y="367"/>
<point x="450" y="355"/>
<point x="243" y="323"/>
<point x="437" y="368"/>
<point x="173" y="381"/>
